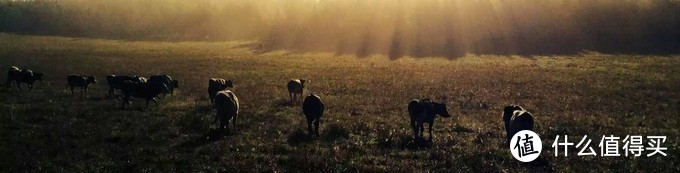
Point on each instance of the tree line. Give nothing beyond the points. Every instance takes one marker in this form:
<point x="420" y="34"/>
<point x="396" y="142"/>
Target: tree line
<point x="449" y="28"/>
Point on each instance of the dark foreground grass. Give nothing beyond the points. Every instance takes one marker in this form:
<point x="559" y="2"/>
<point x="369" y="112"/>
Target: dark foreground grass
<point x="364" y="127"/>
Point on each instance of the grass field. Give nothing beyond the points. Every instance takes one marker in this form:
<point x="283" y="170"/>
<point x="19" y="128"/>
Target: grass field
<point x="365" y="125"/>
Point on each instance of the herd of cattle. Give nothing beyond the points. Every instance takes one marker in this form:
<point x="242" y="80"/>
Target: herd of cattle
<point x="226" y="103"/>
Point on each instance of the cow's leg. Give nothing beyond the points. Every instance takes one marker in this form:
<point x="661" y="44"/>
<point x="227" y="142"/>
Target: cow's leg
<point x="216" y="118"/>
<point x="430" y="129"/>
<point x="110" y="91"/>
<point x="316" y="126"/>
<point x="291" y="96"/>
<point x="233" y="121"/>
<point x="71" y="89"/>
<point x="19" y="86"/>
<point x="125" y="101"/>
<point x="309" y="127"/>
<point x="422" y="129"/>
<point x="223" y="122"/>
<point x="30" y="87"/>
<point x="415" y="128"/>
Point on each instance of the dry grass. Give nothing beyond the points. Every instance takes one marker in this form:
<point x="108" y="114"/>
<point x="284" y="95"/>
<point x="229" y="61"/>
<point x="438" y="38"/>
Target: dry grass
<point x="48" y="130"/>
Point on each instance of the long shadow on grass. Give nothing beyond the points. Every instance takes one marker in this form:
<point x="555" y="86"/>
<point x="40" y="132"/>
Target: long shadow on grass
<point x="278" y="103"/>
<point x="329" y="134"/>
<point x="212" y="136"/>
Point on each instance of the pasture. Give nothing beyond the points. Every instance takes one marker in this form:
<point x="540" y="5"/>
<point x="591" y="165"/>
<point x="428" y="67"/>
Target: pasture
<point x="365" y="126"/>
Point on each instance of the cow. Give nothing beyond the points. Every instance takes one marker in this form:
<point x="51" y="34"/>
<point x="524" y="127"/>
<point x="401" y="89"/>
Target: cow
<point x="14" y="75"/>
<point x="226" y="104"/>
<point x="295" y="88"/>
<point x="313" y="109"/>
<point x="146" y="90"/>
<point x="80" y="81"/>
<point x="425" y="111"/>
<point x="516" y="119"/>
<point x="165" y="79"/>
<point x="116" y="82"/>
<point x="22" y="76"/>
<point x="217" y="84"/>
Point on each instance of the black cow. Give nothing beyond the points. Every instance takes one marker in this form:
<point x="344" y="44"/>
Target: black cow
<point x="165" y="79"/>
<point x="22" y="76"/>
<point x="295" y="88"/>
<point x="516" y="119"/>
<point x="425" y="111"/>
<point x="116" y="82"/>
<point x="80" y="81"/>
<point x="14" y="75"/>
<point x="146" y="90"/>
<point x="217" y="84"/>
<point x="226" y="104"/>
<point x="313" y="109"/>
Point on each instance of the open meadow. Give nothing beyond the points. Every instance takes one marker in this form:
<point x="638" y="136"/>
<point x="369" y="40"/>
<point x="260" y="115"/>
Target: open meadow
<point x="365" y="126"/>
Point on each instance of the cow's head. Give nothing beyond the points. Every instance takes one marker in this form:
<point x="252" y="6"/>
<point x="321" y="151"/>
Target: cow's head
<point x="440" y="108"/>
<point x="91" y="79"/>
<point x="229" y="84"/>
<point x="508" y="110"/>
<point x="37" y="76"/>
<point x="175" y="83"/>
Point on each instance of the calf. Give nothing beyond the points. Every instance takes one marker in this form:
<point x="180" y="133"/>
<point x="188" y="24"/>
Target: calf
<point x="295" y="88"/>
<point x="425" y="111"/>
<point x="227" y="107"/>
<point x="313" y="109"/>
<point x="80" y="81"/>
<point x="165" y="79"/>
<point x="146" y="90"/>
<point x="217" y="84"/>
<point x="22" y="76"/>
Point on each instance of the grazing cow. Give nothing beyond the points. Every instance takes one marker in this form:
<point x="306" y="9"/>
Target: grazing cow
<point x="516" y="119"/>
<point x="116" y="82"/>
<point x="146" y="90"/>
<point x="80" y="81"/>
<point x="227" y="107"/>
<point x="30" y="77"/>
<point x="313" y="108"/>
<point x="295" y="88"/>
<point x="13" y="75"/>
<point x="217" y="84"/>
<point x="507" y="116"/>
<point x="165" y="79"/>
<point x="425" y="111"/>
<point x="22" y="76"/>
